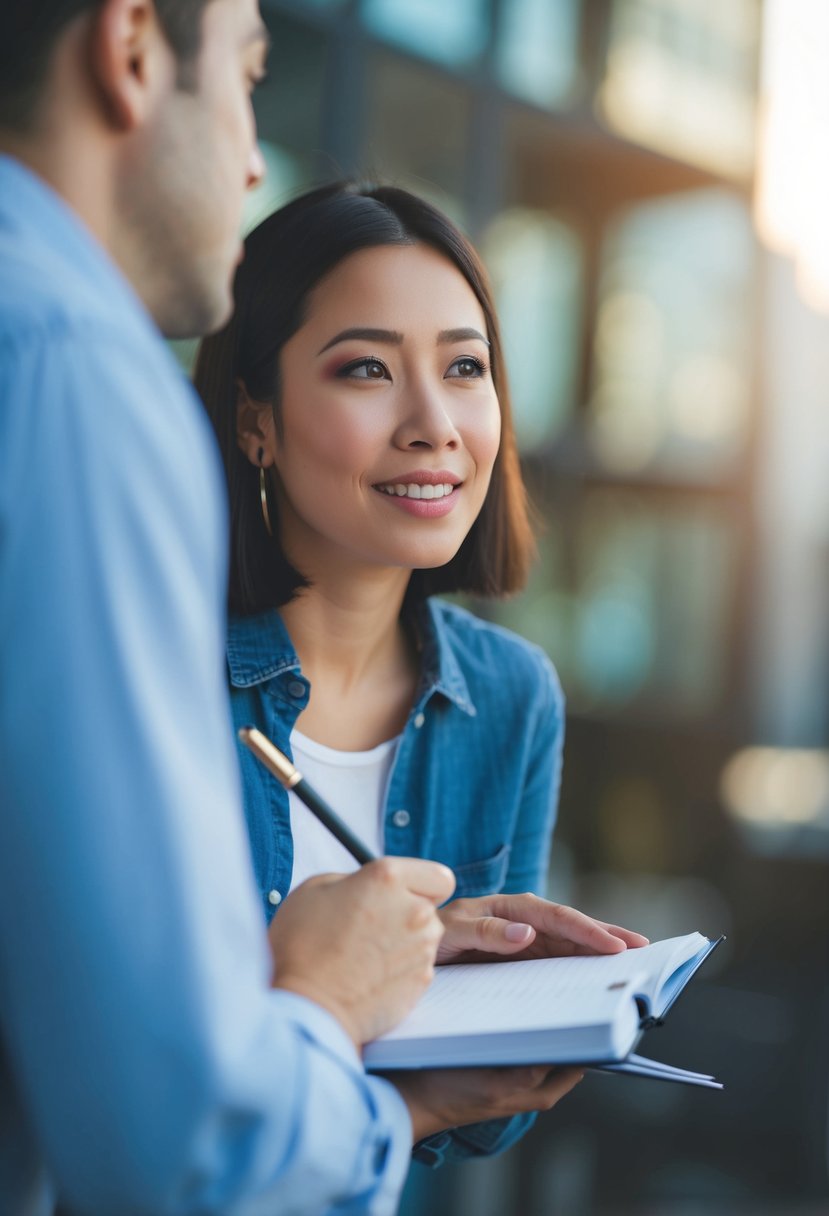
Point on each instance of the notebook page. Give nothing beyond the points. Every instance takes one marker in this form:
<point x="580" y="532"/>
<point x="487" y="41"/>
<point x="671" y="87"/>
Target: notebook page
<point x="484" y="998"/>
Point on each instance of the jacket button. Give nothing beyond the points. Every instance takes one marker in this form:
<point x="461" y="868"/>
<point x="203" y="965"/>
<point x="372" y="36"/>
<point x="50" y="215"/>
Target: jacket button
<point x="296" y="688"/>
<point x="419" y="720"/>
<point x="274" y="898"/>
<point x="401" y="819"/>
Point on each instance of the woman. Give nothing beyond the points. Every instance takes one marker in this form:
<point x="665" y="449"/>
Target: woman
<point x="362" y="411"/>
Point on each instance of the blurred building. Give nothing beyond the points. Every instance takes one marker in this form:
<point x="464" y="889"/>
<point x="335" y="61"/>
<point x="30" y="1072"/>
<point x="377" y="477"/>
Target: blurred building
<point x="668" y="383"/>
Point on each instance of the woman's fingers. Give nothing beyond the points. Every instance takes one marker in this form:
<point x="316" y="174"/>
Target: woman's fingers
<point x="482" y="934"/>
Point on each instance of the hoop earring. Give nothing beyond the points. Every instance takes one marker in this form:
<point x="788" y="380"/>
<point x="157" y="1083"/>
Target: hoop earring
<point x="263" y="498"/>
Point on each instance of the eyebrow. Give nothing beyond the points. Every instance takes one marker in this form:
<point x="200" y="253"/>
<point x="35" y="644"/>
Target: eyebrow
<point x="389" y="336"/>
<point x="393" y="338"/>
<point x="461" y="335"/>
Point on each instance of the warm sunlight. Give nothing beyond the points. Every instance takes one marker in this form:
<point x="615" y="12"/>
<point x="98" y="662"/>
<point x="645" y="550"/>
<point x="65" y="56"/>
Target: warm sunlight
<point x="793" y="170"/>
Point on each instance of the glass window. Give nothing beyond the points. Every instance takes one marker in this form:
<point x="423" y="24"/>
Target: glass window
<point x="641" y="607"/>
<point x="289" y="104"/>
<point x="671" y="359"/>
<point x="544" y="613"/>
<point x="655" y="591"/>
<point x="681" y="77"/>
<point x="537" y="50"/>
<point x="454" y="34"/>
<point x="429" y="156"/>
<point x="536" y="267"/>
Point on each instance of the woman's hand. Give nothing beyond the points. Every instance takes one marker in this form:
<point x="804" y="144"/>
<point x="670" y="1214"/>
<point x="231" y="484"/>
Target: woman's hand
<point x="443" y="1098"/>
<point x="494" y="927"/>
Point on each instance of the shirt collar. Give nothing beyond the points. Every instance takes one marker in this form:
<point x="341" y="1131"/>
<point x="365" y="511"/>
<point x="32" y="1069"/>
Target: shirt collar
<point x="441" y="671"/>
<point x="259" y="648"/>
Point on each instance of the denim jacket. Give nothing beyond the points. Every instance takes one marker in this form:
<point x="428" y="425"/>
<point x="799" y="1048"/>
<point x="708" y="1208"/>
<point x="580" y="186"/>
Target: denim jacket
<point x="474" y="783"/>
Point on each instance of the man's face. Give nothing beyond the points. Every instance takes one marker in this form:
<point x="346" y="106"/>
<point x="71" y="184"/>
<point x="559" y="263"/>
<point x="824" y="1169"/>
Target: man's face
<point x="185" y="183"/>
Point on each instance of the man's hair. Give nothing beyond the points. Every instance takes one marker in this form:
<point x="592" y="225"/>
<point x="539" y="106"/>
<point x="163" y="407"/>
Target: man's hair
<point x="285" y="258"/>
<point x="31" y="29"/>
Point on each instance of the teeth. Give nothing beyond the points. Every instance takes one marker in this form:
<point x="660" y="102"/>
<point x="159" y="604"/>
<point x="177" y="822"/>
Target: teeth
<point x="413" y="491"/>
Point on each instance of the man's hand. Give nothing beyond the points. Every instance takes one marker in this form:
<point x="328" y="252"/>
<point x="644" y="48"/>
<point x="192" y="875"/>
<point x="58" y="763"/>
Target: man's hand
<point x="442" y="1098"/>
<point x="494" y="927"/>
<point x="363" y="946"/>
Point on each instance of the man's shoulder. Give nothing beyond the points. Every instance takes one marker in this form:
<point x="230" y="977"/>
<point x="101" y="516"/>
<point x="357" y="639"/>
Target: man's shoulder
<point x="82" y="368"/>
<point x="66" y="324"/>
<point x="45" y="297"/>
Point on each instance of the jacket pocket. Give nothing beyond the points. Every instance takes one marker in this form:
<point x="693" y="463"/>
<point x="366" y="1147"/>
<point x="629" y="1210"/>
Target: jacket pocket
<point x="485" y="877"/>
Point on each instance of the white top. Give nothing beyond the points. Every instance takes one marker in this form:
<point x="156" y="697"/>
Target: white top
<point x="354" y="784"/>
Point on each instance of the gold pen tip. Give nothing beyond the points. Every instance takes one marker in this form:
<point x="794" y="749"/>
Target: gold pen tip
<point x="270" y="756"/>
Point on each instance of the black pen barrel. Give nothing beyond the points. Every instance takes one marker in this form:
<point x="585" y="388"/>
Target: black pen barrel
<point x="330" y="819"/>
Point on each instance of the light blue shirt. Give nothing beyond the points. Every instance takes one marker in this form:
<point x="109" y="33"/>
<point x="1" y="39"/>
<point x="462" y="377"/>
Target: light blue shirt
<point x="145" y="1065"/>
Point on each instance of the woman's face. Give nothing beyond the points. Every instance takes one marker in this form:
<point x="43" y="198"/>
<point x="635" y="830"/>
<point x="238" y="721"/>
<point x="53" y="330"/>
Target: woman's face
<point x="390" y="419"/>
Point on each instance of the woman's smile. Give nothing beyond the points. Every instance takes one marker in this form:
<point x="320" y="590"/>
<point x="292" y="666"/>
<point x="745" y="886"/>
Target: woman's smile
<point x="424" y="502"/>
<point x="423" y="494"/>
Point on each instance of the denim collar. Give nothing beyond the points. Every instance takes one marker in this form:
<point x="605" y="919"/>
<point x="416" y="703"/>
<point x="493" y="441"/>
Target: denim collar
<point x="259" y="648"/>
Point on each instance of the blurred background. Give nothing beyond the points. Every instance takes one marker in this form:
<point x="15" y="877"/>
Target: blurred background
<point x="647" y="181"/>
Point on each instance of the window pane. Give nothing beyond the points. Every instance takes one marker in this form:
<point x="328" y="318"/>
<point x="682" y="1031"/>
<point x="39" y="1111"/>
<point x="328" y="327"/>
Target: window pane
<point x="428" y="156"/>
<point x="536" y="267"/>
<point x="640" y="610"/>
<point x="537" y="49"/>
<point x="454" y="34"/>
<point x="655" y="589"/>
<point x="671" y="371"/>
<point x="289" y="104"/>
<point x="681" y="77"/>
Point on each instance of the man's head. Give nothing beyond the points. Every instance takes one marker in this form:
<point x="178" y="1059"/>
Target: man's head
<point x="139" y="113"/>
<point x="30" y="31"/>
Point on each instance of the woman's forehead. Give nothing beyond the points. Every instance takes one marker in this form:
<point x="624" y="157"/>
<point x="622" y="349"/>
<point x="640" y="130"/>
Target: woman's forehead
<point x="396" y="287"/>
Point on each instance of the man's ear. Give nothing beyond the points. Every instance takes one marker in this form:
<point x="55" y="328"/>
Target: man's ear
<point x="254" y="427"/>
<point x="130" y="60"/>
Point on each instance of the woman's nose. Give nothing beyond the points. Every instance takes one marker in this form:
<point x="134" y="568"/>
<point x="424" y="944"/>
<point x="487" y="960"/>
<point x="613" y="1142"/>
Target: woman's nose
<point x="427" y="422"/>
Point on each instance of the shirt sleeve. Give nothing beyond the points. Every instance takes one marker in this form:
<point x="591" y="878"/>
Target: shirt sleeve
<point x="529" y="861"/>
<point x="157" y="1070"/>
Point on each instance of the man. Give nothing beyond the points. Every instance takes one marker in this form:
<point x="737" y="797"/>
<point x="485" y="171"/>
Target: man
<point x="145" y="1064"/>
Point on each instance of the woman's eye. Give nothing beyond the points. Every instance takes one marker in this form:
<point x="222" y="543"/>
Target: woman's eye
<point x="466" y="368"/>
<point x="365" y="369"/>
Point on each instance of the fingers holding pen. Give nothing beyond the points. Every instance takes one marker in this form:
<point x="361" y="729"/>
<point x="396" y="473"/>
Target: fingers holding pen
<point x="429" y="879"/>
<point x="363" y="946"/>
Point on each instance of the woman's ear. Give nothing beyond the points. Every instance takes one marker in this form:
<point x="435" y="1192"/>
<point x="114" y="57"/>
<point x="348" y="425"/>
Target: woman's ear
<point x="254" y="427"/>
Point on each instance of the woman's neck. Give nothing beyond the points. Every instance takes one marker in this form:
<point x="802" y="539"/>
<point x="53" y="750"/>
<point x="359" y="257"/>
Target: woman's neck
<point x="354" y="650"/>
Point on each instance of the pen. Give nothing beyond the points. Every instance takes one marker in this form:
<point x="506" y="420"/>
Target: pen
<point x="288" y="774"/>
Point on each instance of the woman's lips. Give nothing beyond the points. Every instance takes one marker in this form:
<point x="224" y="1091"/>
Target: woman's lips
<point x="413" y="502"/>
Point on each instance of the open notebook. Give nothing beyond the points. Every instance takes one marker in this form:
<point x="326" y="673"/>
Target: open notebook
<point x="586" y="1010"/>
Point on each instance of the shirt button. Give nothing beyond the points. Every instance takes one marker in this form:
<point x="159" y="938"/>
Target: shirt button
<point x="419" y="720"/>
<point x="401" y="819"/>
<point x="274" y="898"/>
<point x="296" y="688"/>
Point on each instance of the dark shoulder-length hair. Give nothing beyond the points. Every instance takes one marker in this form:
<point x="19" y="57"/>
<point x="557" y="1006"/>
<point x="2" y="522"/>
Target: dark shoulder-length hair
<point x="285" y="258"/>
